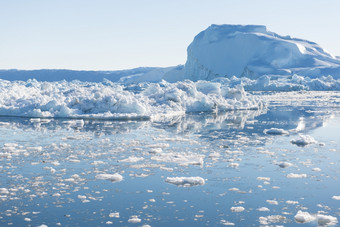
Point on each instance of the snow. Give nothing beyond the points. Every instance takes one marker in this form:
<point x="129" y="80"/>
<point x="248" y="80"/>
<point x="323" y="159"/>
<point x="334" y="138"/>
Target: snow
<point x="185" y="181"/>
<point x="105" y="100"/>
<point x="112" y="177"/>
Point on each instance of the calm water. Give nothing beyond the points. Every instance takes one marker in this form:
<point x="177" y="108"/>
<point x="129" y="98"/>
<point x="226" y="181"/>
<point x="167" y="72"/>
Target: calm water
<point x="48" y="169"/>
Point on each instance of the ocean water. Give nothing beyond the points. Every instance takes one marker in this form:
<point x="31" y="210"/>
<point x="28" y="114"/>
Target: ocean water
<point x="74" y="172"/>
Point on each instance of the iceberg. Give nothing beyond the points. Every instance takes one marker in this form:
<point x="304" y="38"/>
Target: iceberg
<point x="253" y="51"/>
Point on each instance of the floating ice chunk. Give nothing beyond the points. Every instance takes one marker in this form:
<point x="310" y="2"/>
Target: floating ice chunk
<point x="81" y="196"/>
<point x="276" y="131"/>
<point x="4" y="191"/>
<point x="132" y="159"/>
<point x="263" y="209"/>
<point x="43" y="225"/>
<point x="326" y="220"/>
<point x="112" y="177"/>
<point x="234" y="189"/>
<point x="134" y="219"/>
<point x="272" y="219"/>
<point x="114" y="215"/>
<point x="292" y="202"/>
<point x="234" y="165"/>
<point x="225" y="222"/>
<point x="296" y="175"/>
<point x="316" y="169"/>
<point x="272" y="202"/>
<point x="304" y="140"/>
<point x="285" y="164"/>
<point x="237" y="209"/>
<point x="322" y="220"/>
<point x="28" y="219"/>
<point x="336" y="197"/>
<point x="263" y="178"/>
<point x="185" y="181"/>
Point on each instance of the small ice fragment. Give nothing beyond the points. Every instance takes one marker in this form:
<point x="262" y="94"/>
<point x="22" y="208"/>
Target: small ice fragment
<point x="272" y="202"/>
<point x="303" y="217"/>
<point x="285" y="164"/>
<point x="234" y="165"/>
<point x="303" y="140"/>
<point x="81" y="196"/>
<point x="114" y="215"/>
<point x="336" y="197"/>
<point x="296" y="175"/>
<point x="276" y="131"/>
<point x="237" y="209"/>
<point x="263" y="178"/>
<point x="324" y="220"/>
<point x="132" y="159"/>
<point x="112" y="177"/>
<point x="233" y="189"/>
<point x="134" y="219"/>
<point x="225" y="222"/>
<point x="263" y="209"/>
<point x="43" y="225"/>
<point x="4" y="191"/>
<point x="292" y="202"/>
<point x="27" y="219"/>
<point x="316" y="169"/>
<point x="109" y="222"/>
<point x="185" y="181"/>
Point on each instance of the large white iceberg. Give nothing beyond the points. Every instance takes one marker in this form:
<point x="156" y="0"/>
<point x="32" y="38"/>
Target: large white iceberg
<point x="252" y="51"/>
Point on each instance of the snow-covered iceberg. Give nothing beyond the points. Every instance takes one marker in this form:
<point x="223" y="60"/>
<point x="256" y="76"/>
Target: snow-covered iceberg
<point x="252" y="51"/>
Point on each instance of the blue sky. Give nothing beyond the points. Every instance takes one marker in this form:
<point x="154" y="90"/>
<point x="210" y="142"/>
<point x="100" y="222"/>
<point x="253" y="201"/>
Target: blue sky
<point x="112" y="34"/>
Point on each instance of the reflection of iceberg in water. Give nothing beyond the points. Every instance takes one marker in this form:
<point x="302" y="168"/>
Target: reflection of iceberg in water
<point x="293" y="119"/>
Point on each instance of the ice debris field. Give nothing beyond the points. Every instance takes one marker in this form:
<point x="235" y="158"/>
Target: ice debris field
<point x="245" y="133"/>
